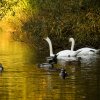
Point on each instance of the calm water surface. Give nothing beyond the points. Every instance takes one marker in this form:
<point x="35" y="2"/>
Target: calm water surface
<point x="23" y="80"/>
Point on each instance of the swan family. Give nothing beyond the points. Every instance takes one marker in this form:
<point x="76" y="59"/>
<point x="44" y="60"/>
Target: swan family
<point x="63" y="53"/>
<point x="71" y="53"/>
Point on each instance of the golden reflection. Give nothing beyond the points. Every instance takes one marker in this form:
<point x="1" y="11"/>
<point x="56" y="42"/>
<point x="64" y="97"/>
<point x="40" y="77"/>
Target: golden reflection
<point x="24" y="81"/>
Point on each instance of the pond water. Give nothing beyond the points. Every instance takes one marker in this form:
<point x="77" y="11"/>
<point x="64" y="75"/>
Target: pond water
<point x="23" y="80"/>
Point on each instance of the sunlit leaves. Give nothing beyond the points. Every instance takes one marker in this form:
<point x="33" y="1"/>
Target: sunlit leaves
<point x="59" y="19"/>
<point x="6" y="6"/>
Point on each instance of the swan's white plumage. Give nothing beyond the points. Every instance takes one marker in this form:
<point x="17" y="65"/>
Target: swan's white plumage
<point x="83" y="51"/>
<point x="87" y="51"/>
<point x="67" y="53"/>
<point x="63" y="53"/>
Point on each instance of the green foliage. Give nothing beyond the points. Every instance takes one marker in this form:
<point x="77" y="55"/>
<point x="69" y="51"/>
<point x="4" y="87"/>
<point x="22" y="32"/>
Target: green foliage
<point x="6" y="6"/>
<point x="61" y="19"/>
<point x="58" y="19"/>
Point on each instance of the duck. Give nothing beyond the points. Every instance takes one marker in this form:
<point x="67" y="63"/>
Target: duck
<point x="83" y="51"/>
<point x="61" y="54"/>
<point x="52" y="60"/>
<point x="1" y="67"/>
<point x="63" y="73"/>
<point x="46" y="65"/>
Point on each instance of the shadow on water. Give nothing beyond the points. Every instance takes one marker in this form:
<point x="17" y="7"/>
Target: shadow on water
<point x="23" y="80"/>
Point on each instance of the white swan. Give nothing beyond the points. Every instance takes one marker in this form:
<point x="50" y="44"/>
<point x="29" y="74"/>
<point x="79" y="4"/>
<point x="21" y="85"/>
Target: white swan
<point x="85" y="50"/>
<point x="64" y="53"/>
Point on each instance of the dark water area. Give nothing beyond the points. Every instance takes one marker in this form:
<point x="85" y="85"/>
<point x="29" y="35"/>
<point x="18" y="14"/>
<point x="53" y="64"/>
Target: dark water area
<point x="22" y="79"/>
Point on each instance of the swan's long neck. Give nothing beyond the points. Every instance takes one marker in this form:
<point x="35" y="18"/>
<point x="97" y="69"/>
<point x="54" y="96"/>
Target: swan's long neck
<point x="50" y="46"/>
<point x="72" y="44"/>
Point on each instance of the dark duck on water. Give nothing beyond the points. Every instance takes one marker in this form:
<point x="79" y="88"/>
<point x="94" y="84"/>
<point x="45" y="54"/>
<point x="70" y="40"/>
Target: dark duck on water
<point x="1" y="67"/>
<point x="63" y="74"/>
<point x="46" y="65"/>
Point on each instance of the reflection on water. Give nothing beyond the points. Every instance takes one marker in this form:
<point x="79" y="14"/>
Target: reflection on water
<point x="23" y="80"/>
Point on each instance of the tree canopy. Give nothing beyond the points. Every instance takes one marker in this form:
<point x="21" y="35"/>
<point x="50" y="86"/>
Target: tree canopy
<point x="31" y="20"/>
